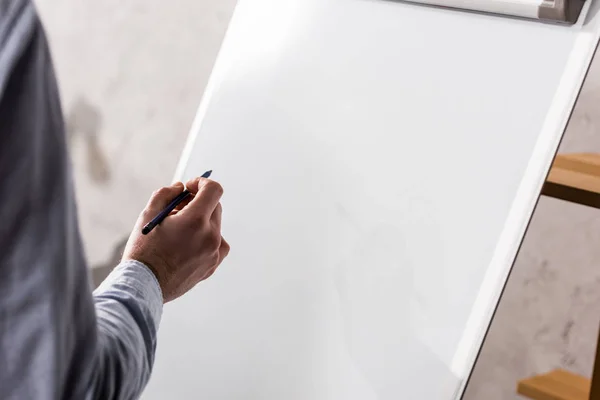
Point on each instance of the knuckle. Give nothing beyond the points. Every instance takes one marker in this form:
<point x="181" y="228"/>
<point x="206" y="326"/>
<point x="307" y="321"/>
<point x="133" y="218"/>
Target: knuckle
<point x="226" y="247"/>
<point x="156" y="195"/>
<point x="161" y="192"/>
<point x="213" y="242"/>
<point x="224" y="253"/>
<point x="145" y="213"/>
<point x="215" y="187"/>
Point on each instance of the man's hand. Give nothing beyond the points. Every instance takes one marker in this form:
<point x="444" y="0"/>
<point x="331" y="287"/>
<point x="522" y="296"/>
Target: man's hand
<point x="187" y="247"/>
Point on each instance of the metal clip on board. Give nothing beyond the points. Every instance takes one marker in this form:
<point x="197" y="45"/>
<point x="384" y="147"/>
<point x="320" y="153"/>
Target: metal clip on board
<point x="560" y="11"/>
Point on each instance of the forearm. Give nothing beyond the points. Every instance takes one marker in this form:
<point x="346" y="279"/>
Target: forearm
<point x="128" y="308"/>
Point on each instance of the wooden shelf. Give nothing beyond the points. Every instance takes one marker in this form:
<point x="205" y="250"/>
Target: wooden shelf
<point x="575" y="178"/>
<point x="556" y="385"/>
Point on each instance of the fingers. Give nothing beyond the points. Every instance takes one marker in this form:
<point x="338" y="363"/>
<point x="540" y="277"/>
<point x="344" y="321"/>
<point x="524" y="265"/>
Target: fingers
<point x="208" y="194"/>
<point x="194" y="184"/>
<point x="183" y="203"/>
<point x="162" y="197"/>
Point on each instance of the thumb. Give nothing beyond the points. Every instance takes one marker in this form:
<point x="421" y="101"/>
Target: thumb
<point x="162" y="197"/>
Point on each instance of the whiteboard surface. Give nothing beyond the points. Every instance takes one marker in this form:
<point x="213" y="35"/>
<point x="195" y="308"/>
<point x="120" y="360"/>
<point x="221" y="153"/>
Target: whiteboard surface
<point x="380" y="162"/>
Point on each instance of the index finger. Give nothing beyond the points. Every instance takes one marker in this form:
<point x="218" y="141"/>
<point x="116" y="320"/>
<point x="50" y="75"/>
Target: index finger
<point x="207" y="195"/>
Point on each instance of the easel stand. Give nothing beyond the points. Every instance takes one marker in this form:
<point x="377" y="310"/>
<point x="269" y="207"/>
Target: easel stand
<point x="574" y="178"/>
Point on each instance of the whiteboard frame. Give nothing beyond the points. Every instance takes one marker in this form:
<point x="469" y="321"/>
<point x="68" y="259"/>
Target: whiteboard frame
<point x="518" y="8"/>
<point x="562" y="11"/>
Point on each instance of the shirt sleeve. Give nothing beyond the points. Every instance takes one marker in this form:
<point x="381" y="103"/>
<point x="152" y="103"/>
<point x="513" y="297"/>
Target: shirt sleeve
<point x="128" y="308"/>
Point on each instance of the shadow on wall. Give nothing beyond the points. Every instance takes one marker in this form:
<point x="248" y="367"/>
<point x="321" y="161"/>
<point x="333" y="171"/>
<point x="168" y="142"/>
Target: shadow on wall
<point x="85" y="121"/>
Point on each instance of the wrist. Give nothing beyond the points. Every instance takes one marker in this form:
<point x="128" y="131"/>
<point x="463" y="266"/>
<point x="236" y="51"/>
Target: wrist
<point x="153" y="272"/>
<point x="132" y="280"/>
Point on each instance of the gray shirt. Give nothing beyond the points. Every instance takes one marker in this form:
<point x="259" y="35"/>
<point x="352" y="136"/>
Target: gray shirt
<point x="57" y="339"/>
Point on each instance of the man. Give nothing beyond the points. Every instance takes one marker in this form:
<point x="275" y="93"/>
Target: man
<point x="57" y="339"/>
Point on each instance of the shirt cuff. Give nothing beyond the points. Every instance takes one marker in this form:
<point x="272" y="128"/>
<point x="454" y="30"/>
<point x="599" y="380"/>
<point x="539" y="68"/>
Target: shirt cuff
<point x="139" y="281"/>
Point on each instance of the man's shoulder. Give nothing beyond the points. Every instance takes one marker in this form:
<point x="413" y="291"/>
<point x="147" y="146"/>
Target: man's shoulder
<point x="18" y="21"/>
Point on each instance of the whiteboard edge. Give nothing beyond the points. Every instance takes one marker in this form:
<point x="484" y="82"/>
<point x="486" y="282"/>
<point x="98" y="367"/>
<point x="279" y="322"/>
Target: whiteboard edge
<point x="528" y="193"/>
<point x="214" y="79"/>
